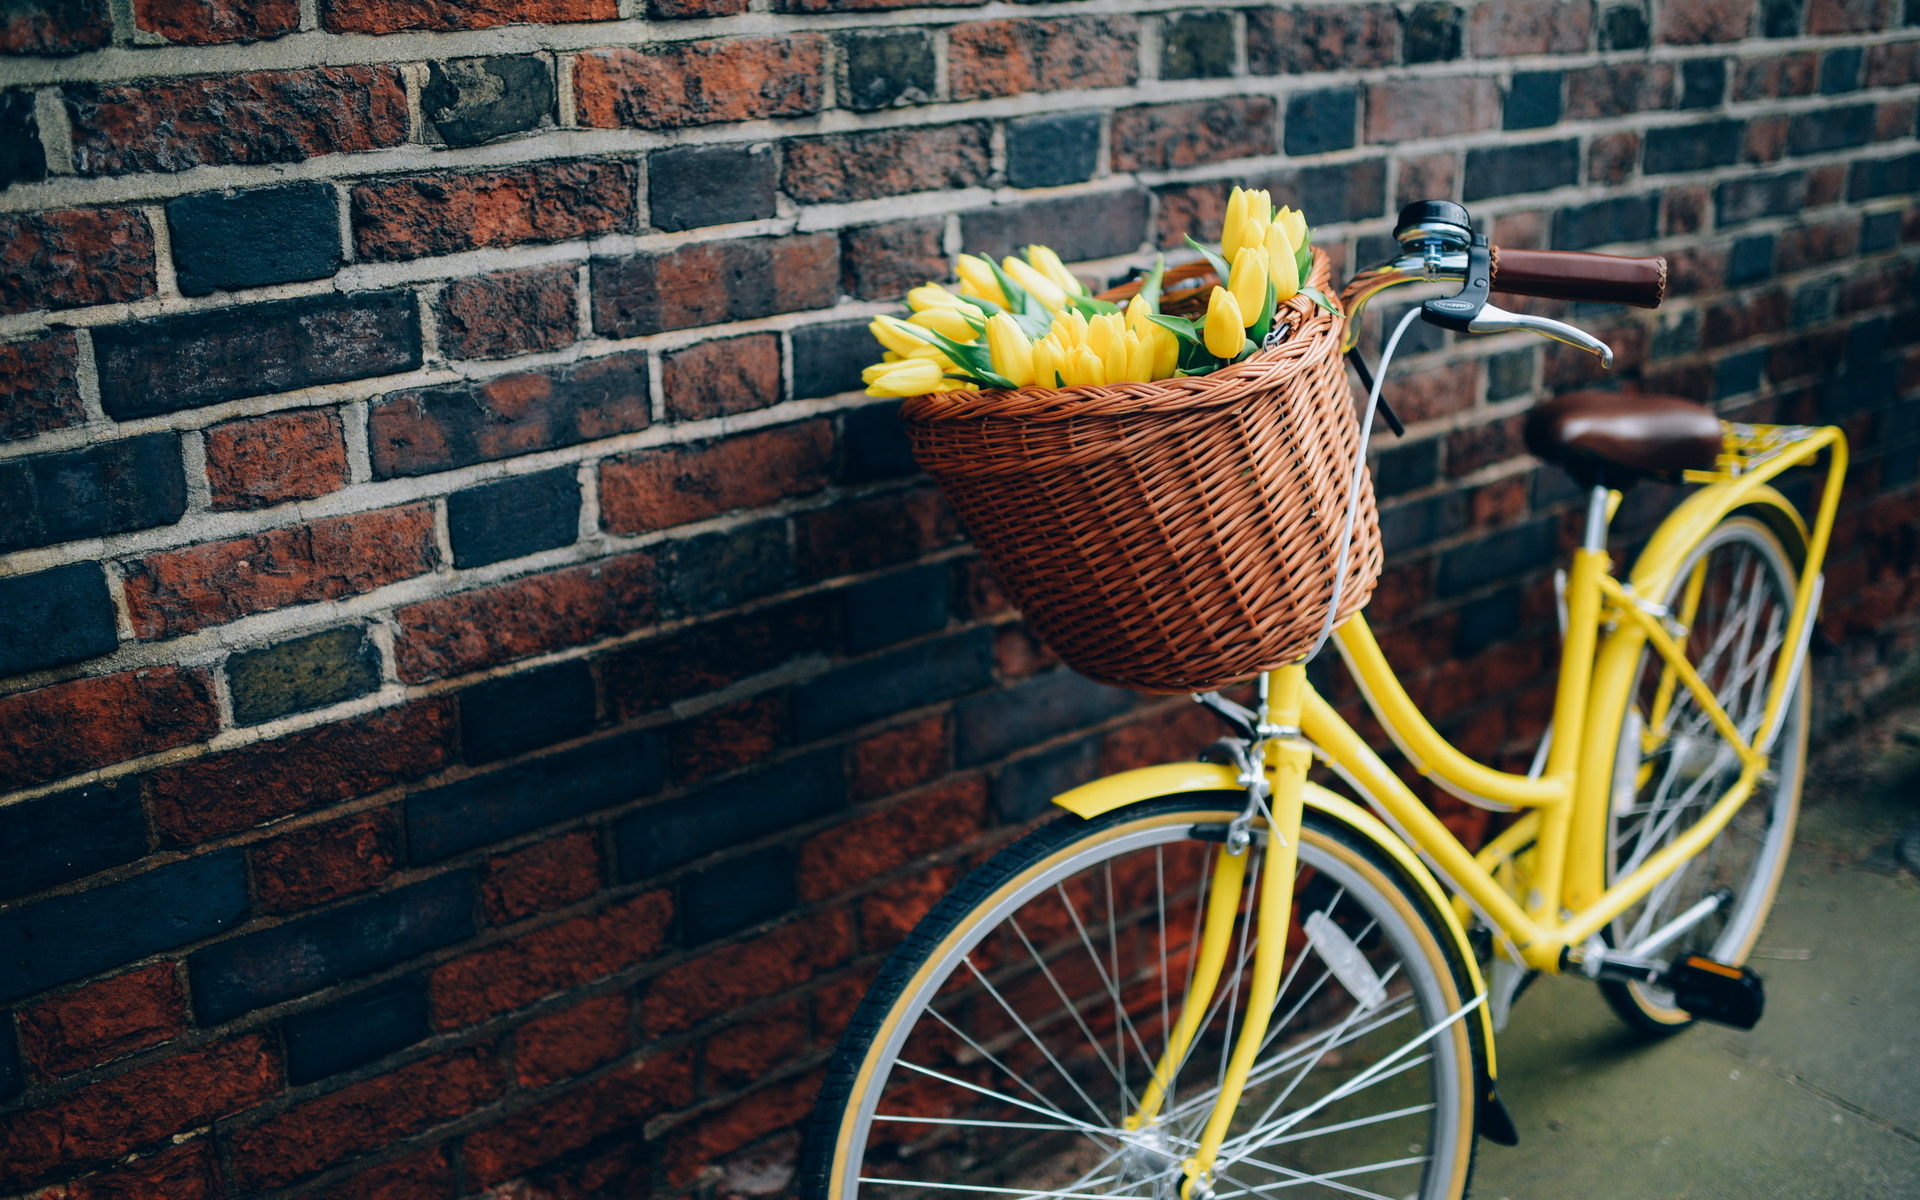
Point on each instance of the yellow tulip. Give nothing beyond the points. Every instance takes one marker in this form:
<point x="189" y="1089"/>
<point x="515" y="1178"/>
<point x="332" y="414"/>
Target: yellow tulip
<point x="1283" y="263"/>
<point x="947" y="321"/>
<point x="1166" y="353"/>
<point x="1234" y="227"/>
<point x="895" y="334"/>
<point x="1103" y="332"/>
<point x="1047" y="356"/>
<point x="1296" y="224"/>
<point x="1112" y="349"/>
<point x="1069" y="329"/>
<point x="1011" y="352"/>
<point x="977" y="279"/>
<point x="1138" y="316"/>
<point x="1249" y="282"/>
<point x="1140" y="354"/>
<point x="1048" y="263"/>
<point x="1226" y="333"/>
<point x="932" y="295"/>
<point x="1045" y="290"/>
<point x="1083" y="368"/>
<point x="912" y="377"/>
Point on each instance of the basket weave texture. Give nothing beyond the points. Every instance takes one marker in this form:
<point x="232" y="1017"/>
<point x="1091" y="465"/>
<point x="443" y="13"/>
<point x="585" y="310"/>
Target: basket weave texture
<point x="1171" y="536"/>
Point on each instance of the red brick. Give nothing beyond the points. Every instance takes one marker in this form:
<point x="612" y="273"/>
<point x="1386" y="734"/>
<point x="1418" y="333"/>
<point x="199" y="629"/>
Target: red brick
<point x="425" y="1176"/>
<point x="185" y="1172"/>
<point x="1169" y="735"/>
<point x="1324" y="37"/>
<point x="515" y="973"/>
<point x="834" y="1002"/>
<point x="1890" y="64"/>
<point x="252" y="119"/>
<point x="1504" y="28"/>
<point x="264" y="461"/>
<point x="1189" y="210"/>
<point x="1426" y="177"/>
<point x="1611" y="157"/>
<point x="572" y="1041"/>
<point x="657" y="489"/>
<point x="670" y="10"/>
<point x="693" y="1146"/>
<point x="362" y="1117"/>
<point x="55" y="26"/>
<point x="740" y="1054"/>
<point x="1785" y="75"/>
<point x="709" y="282"/>
<point x="1812" y="245"/>
<point x="622" y="1099"/>
<point x="1685" y="209"/>
<point x="1429" y="394"/>
<point x="394" y="16"/>
<point x="889" y="913"/>
<point x="110" y="1118"/>
<point x="206" y="22"/>
<point x="820" y="6"/>
<point x="1564" y="366"/>
<point x="897" y="759"/>
<point x="325" y="862"/>
<point x="1825" y="185"/>
<point x="1765" y="138"/>
<point x="39" y="387"/>
<point x="727" y="738"/>
<point x="180" y="591"/>
<point x="103" y="1021"/>
<point x="1013" y="57"/>
<point x="74" y="257"/>
<point x="874" y="843"/>
<point x="721" y="377"/>
<point x="513" y="312"/>
<point x="885" y="162"/>
<point x="683" y="996"/>
<point x="546" y="875"/>
<point x="1828" y="17"/>
<point x="86" y="723"/>
<point x="1017" y="653"/>
<point x="1893" y="120"/>
<point x="1406" y="109"/>
<point x="1694" y="22"/>
<point x="1160" y="137"/>
<point x="412" y="216"/>
<point x="1618" y="88"/>
<point x="863" y="535"/>
<point x="700" y="83"/>
<point x="527" y="616"/>
<point x="225" y="793"/>
<point x="881" y="262"/>
<point x="1479" y="446"/>
<point x="647" y="676"/>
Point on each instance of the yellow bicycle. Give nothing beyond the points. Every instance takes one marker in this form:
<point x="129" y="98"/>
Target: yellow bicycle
<point x="1223" y="978"/>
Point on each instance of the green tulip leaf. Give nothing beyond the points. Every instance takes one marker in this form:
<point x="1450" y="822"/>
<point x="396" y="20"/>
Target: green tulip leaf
<point x="1214" y="260"/>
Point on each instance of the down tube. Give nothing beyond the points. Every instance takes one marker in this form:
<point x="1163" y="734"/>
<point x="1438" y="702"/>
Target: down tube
<point x="1325" y="729"/>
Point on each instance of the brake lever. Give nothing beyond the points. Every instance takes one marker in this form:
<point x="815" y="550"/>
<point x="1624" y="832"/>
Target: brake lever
<point x="1470" y="310"/>
<point x="1499" y="320"/>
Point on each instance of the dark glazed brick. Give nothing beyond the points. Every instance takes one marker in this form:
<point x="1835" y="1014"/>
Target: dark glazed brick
<point x="827" y="359"/>
<point x="870" y="164"/>
<point x="1756" y="196"/>
<point x="896" y="607"/>
<point x="690" y="186"/>
<point x="1624" y="27"/>
<point x="1416" y="524"/>
<point x="1078" y="227"/>
<point x="444" y="821"/>
<point x="1509" y="375"/>
<point x="1052" y="149"/>
<point x="1696" y="147"/>
<point x="1830" y="129"/>
<point x="1676" y="336"/>
<point x="727" y="898"/>
<point x="237" y="976"/>
<point x="1622" y="219"/>
<point x="10" y="1081"/>
<point x="1350" y="191"/>
<point x="52" y="618"/>
<point x="880" y="262"/>
<point x="1433" y="33"/>
<point x="1750" y="260"/>
<point x="39" y="385"/>
<point x="52" y="839"/>
<point x="1878" y="231"/>
<point x="705" y="283"/>
<point x="301" y="674"/>
<point x="1533" y="102"/>
<point x="1883" y="177"/>
<point x="1027" y="786"/>
<point x="71" y="937"/>
<point x="1322" y="37"/>
<point x="172" y="363"/>
<point x="719" y="570"/>
<point x="1781" y="18"/>
<point x="892" y="682"/>
<point x="1510" y="170"/>
<point x="1703" y="82"/>
<point x="349" y="1033"/>
<point x="998" y="723"/>
<point x="1510" y="552"/>
<point x="1486" y="622"/>
<point x="22" y="158"/>
<point x="1197" y="46"/>
<point x="652" y="674"/>
<point x="874" y="445"/>
<point x="887" y="68"/>
<point x="1840" y="71"/>
<point x="1404" y="468"/>
<point x="504" y="717"/>
<point x="115" y="487"/>
<point x="232" y="240"/>
<point x="425" y="430"/>
<point x="1322" y="121"/>
<point x="663" y="836"/>
<point x="470" y="101"/>
<point x="1739" y="374"/>
<point x="514" y="517"/>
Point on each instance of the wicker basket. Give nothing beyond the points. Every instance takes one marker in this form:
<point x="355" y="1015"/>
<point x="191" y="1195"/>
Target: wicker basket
<point x="1171" y="536"/>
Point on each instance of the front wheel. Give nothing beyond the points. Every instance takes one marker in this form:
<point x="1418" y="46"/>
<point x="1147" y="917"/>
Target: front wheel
<point x="1006" y="1046"/>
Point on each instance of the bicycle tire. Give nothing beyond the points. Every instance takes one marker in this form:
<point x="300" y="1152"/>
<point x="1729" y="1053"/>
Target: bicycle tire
<point x="861" y="1069"/>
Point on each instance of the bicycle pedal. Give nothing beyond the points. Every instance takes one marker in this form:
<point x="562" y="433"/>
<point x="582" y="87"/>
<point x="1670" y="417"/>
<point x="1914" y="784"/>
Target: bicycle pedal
<point x="1714" y="991"/>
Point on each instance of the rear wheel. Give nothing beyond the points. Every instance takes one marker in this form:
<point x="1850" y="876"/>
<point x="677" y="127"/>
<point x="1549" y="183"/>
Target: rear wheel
<point x="1735" y="595"/>
<point x="1008" y="1042"/>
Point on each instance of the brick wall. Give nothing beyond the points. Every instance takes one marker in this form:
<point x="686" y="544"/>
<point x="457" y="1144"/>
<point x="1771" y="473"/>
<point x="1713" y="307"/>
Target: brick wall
<point x="481" y="690"/>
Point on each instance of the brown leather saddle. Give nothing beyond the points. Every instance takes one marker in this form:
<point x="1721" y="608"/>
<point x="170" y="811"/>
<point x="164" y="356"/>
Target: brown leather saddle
<point x="1614" y="438"/>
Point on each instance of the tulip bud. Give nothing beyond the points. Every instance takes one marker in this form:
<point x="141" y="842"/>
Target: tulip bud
<point x="1011" y="352"/>
<point x="895" y="334"/>
<point x="1045" y="290"/>
<point x="1138" y="314"/>
<point x="1260" y="206"/>
<point x="1084" y="368"/>
<point x="1069" y="329"/>
<point x="947" y="321"/>
<point x="1249" y="283"/>
<point x="977" y="279"/>
<point x="1103" y="331"/>
<point x="1233" y="228"/>
<point x="1166" y="353"/>
<point x="932" y="295"/>
<point x="1283" y="263"/>
<point x="1226" y="333"/>
<point x="1046" y="363"/>
<point x="909" y="377"/>
<point x="1048" y="263"/>
<point x="1140" y="354"/>
<point x="1296" y="224"/>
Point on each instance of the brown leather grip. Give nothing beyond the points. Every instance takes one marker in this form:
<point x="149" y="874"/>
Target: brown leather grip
<point x="1568" y="275"/>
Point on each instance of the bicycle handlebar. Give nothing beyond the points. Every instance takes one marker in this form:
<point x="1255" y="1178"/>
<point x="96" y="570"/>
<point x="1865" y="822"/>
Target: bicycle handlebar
<point x="1570" y="275"/>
